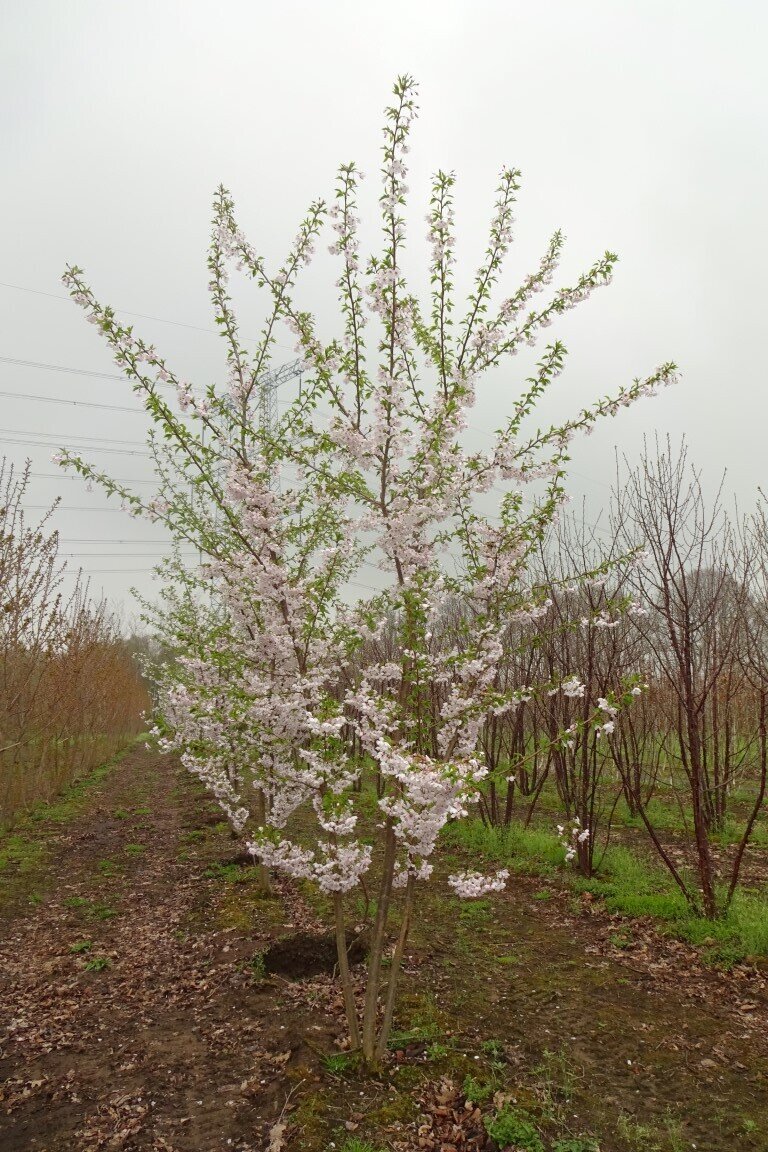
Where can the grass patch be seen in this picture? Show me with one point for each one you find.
(98, 964)
(91, 909)
(18, 853)
(513, 1128)
(475, 912)
(23, 851)
(337, 1063)
(477, 1090)
(740, 934)
(522, 849)
(628, 883)
(232, 873)
(635, 887)
(419, 1021)
(355, 1145)
(70, 802)
(245, 908)
(258, 969)
(576, 1144)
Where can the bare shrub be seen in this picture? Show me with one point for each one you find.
(704, 639)
(70, 693)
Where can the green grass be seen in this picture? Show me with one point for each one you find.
(70, 802)
(477, 1090)
(355, 1145)
(258, 968)
(24, 852)
(576, 1144)
(475, 913)
(664, 810)
(635, 887)
(741, 933)
(513, 1128)
(524, 849)
(91, 909)
(628, 883)
(493, 1050)
(663, 817)
(232, 873)
(337, 1063)
(98, 964)
(21, 853)
(733, 831)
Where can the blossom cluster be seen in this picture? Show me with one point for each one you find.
(571, 838)
(473, 884)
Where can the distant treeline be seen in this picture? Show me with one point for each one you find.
(71, 694)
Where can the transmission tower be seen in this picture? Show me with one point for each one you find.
(268, 384)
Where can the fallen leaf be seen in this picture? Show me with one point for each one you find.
(276, 1134)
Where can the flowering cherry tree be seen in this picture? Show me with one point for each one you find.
(373, 473)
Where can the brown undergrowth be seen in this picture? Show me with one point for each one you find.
(144, 1005)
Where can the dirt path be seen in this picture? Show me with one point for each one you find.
(627, 1031)
(134, 1012)
(170, 1045)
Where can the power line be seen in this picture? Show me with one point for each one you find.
(179, 324)
(125, 378)
(69, 508)
(104, 555)
(126, 312)
(133, 571)
(118, 571)
(68, 476)
(114, 440)
(61, 368)
(54, 436)
(136, 411)
(77, 448)
(77, 403)
(109, 540)
(272, 380)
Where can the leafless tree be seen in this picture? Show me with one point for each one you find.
(694, 585)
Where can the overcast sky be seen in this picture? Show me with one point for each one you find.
(638, 126)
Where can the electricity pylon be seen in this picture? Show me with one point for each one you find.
(268, 384)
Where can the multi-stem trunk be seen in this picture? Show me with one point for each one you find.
(344, 973)
(394, 972)
(260, 816)
(373, 983)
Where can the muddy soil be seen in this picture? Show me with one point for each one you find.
(139, 1010)
(158, 1033)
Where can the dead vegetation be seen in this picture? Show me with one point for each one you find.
(70, 693)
